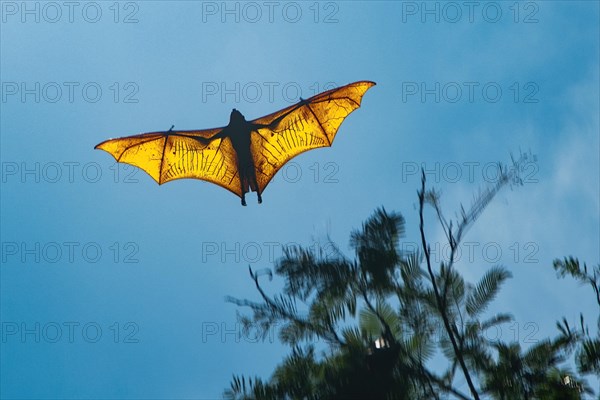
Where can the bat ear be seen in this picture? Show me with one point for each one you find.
(236, 116)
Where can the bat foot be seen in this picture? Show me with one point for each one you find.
(244, 202)
(259, 199)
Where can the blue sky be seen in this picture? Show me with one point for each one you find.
(133, 275)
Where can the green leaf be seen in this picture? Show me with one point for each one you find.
(485, 290)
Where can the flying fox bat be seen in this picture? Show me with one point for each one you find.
(244, 155)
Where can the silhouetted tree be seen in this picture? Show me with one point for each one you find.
(587, 356)
(384, 314)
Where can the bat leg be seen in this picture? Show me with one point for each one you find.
(254, 186)
(243, 184)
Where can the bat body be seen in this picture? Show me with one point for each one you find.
(244, 155)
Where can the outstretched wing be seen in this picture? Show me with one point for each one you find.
(304, 126)
(171, 155)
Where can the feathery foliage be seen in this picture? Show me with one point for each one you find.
(383, 315)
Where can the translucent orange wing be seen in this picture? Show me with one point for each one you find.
(307, 125)
(171, 155)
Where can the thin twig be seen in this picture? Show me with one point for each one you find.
(438, 298)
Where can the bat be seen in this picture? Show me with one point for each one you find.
(244, 155)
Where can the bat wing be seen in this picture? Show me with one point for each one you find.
(304, 126)
(171, 155)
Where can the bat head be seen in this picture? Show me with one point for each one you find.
(236, 117)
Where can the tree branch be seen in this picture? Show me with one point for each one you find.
(439, 301)
(332, 337)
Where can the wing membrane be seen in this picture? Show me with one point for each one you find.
(308, 125)
(171, 155)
